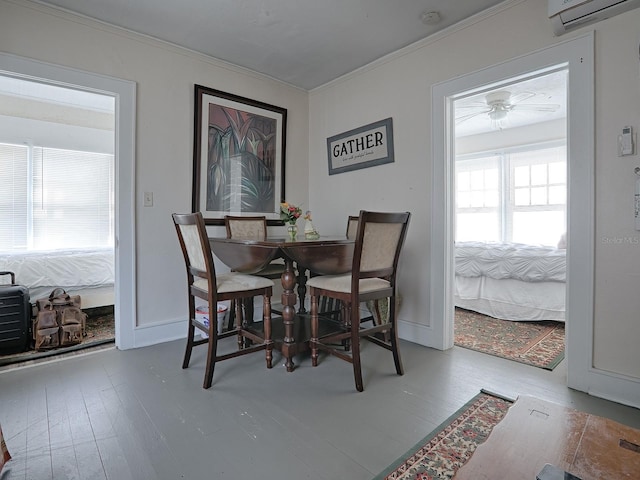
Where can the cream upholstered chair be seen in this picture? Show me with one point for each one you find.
(329, 306)
(379, 307)
(202, 282)
(252, 227)
(379, 241)
(352, 226)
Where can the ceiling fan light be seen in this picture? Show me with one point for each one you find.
(498, 114)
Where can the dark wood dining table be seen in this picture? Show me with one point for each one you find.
(323, 256)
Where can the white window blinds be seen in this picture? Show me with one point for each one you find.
(14, 198)
(60, 199)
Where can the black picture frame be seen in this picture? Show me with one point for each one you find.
(238, 157)
(363, 147)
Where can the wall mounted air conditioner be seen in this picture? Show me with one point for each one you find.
(566, 15)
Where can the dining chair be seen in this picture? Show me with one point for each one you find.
(330, 306)
(252, 227)
(202, 282)
(352, 226)
(379, 240)
(377, 308)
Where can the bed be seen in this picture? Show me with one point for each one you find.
(89, 273)
(511, 281)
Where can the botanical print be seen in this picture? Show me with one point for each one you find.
(240, 161)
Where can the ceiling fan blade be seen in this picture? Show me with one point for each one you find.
(469, 116)
(521, 97)
(537, 107)
(471, 105)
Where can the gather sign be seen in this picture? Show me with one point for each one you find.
(361, 147)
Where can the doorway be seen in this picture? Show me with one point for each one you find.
(576, 55)
(58, 201)
(123, 94)
(510, 184)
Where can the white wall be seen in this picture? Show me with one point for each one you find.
(165, 77)
(399, 86)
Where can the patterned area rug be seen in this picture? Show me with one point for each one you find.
(540, 344)
(100, 331)
(441, 454)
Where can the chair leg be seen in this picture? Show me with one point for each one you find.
(248, 311)
(346, 315)
(354, 315)
(232, 315)
(191, 331)
(355, 356)
(239, 322)
(266, 323)
(393, 333)
(211, 356)
(396, 355)
(314, 330)
(187, 352)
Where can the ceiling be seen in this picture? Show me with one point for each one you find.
(305, 43)
(540, 98)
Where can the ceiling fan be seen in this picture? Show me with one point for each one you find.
(497, 106)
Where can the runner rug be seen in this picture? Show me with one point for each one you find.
(540, 344)
(441, 454)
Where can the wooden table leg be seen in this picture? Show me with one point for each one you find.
(288, 313)
(302, 288)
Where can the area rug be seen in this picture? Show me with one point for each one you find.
(100, 330)
(540, 344)
(441, 453)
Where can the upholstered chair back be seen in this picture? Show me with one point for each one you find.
(246, 227)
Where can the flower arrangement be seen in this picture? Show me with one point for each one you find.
(289, 213)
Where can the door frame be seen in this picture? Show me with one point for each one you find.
(577, 55)
(124, 93)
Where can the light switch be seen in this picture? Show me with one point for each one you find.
(148, 199)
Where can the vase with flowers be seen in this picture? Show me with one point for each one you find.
(289, 214)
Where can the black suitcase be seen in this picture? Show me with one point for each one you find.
(15, 317)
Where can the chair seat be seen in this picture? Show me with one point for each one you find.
(342, 283)
(235, 282)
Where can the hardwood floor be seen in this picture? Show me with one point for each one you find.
(136, 414)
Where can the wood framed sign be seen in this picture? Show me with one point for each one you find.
(362, 147)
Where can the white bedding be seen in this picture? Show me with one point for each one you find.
(76, 270)
(528, 263)
(511, 281)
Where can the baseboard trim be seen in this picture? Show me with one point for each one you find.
(417, 333)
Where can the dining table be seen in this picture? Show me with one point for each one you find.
(326, 255)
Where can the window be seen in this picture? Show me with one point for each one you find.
(55, 199)
(512, 196)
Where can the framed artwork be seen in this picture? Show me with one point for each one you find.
(361, 147)
(238, 157)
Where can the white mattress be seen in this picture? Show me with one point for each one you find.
(511, 299)
(510, 260)
(511, 281)
(42, 271)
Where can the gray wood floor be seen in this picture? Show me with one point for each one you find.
(137, 415)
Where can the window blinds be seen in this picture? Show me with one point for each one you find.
(55, 199)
